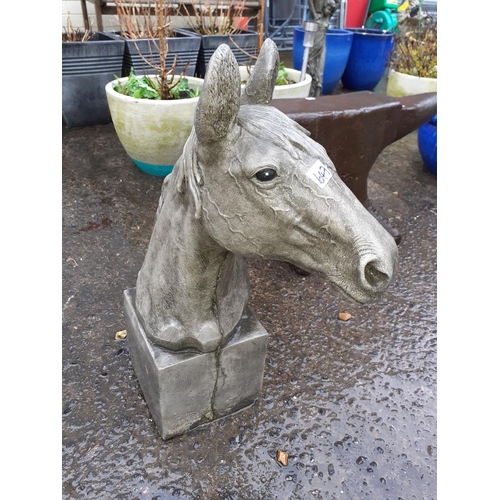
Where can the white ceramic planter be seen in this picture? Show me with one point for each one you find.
(153, 132)
(298, 89)
(399, 84)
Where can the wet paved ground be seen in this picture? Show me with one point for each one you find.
(352, 403)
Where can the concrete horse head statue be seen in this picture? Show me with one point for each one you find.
(250, 183)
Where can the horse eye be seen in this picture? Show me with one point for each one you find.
(266, 174)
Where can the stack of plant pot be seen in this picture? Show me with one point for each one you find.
(87, 66)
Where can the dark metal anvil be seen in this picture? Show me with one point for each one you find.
(354, 128)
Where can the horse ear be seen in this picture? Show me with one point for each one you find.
(219, 101)
(260, 86)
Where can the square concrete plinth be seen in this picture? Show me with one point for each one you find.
(185, 389)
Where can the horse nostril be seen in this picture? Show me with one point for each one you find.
(374, 276)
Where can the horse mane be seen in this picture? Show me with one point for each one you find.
(275, 126)
(188, 171)
(257, 120)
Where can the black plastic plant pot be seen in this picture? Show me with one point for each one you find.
(86, 69)
(244, 45)
(184, 46)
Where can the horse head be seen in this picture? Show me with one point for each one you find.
(263, 188)
(250, 183)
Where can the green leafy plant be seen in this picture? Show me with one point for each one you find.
(181, 90)
(282, 78)
(144, 87)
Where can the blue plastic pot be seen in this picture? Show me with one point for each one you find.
(427, 144)
(338, 44)
(370, 54)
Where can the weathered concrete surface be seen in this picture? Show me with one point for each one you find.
(352, 403)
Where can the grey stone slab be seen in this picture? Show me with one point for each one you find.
(186, 389)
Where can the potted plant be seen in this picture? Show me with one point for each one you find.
(216, 24)
(153, 115)
(413, 67)
(338, 44)
(141, 25)
(153, 129)
(288, 84)
(89, 61)
(427, 144)
(368, 59)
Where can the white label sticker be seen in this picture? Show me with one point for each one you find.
(319, 174)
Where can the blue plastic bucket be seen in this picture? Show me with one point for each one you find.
(337, 48)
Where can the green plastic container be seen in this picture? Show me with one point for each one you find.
(386, 20)
(382, 5)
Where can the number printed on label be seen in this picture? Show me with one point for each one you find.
(319, 174)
